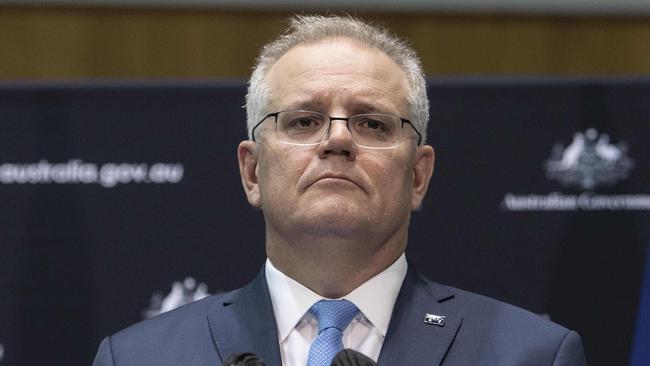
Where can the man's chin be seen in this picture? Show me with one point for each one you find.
(336, 215)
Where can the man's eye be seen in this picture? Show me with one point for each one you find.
(303, 123)
(373, 124)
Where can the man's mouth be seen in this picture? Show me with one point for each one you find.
(336, 180)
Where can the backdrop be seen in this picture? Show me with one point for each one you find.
(122, 199)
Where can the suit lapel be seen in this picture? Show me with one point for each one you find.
(411, 341)
(245, 323)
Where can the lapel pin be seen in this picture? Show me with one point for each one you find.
(434, 319)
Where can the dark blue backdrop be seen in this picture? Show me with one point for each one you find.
(111, 191)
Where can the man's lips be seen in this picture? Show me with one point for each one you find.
(336, 177)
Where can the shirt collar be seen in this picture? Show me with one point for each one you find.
(375, 298)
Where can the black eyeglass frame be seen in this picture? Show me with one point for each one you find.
(346, 119)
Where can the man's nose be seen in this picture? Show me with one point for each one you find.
(338, 141)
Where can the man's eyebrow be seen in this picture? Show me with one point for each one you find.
(355, 107)
(365, 107)
(312, 105)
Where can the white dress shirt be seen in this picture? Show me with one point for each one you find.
(297, 328)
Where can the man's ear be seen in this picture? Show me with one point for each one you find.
(422, 170)
(247, 156)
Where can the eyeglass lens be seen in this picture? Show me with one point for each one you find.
(372, 130)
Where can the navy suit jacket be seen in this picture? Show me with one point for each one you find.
(477, 331)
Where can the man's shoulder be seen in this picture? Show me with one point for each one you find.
(505, 334)
(482, 310)
(167, 339)
(489, 331)
(190, 315)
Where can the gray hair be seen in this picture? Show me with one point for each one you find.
(314, 28)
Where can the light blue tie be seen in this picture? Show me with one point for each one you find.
(333, 317)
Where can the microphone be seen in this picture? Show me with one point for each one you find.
(243, 359)
(350, 357)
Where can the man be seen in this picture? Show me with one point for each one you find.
(336, 160)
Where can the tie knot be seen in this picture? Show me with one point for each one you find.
(333, 314)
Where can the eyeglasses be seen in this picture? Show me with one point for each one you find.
(307, 128)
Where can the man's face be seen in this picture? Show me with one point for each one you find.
(336, 188)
